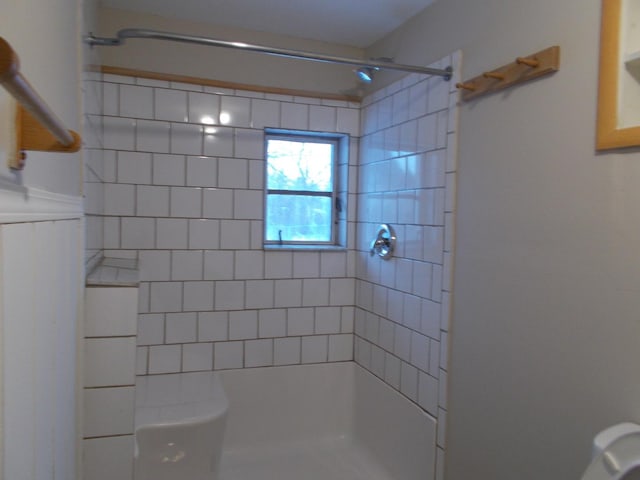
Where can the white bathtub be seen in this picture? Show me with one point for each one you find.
(323, 422)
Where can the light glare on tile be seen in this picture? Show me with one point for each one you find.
(210, 130)
(207, 120)
(225, 118)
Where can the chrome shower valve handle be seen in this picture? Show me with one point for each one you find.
(384, 243)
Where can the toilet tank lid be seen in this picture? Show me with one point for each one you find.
(179, 398)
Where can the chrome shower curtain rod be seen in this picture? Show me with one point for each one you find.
(123, 35)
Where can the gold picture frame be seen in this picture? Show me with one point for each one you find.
(619, 66)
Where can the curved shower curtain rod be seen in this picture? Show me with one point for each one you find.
(124, 34)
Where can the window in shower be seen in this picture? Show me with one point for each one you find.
(302, 204)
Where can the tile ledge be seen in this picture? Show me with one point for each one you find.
(114, 272)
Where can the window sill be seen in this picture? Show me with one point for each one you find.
(306, 248)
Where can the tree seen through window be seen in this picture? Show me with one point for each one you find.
(300, 189)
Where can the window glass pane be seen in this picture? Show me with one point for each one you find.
(294, 165)
(299, 218)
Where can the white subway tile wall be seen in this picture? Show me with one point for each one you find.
(109, 361)
(99, 454)
(407, 177)
(110, 332)
(109, 374)
(183, 178)
(104, 414)
(96, 166)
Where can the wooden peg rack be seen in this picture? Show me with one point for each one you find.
(521, 70)
(36, 126)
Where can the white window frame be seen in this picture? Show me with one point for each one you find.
(336, 203)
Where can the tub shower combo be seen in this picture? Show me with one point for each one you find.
(380, 417)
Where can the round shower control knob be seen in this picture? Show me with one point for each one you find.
(384, 243)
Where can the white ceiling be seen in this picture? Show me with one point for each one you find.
(358, 23)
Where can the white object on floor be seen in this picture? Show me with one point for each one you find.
(179, 426)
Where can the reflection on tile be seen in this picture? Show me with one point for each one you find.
(235, 111)
(203, 108)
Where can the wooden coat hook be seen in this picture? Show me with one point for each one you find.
(466, 86)
(529, 62)
(494, 75)
(521, 70)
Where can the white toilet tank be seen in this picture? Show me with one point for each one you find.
(179, 426)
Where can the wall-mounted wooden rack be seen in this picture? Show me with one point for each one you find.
(36, 126)
(521, 70)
